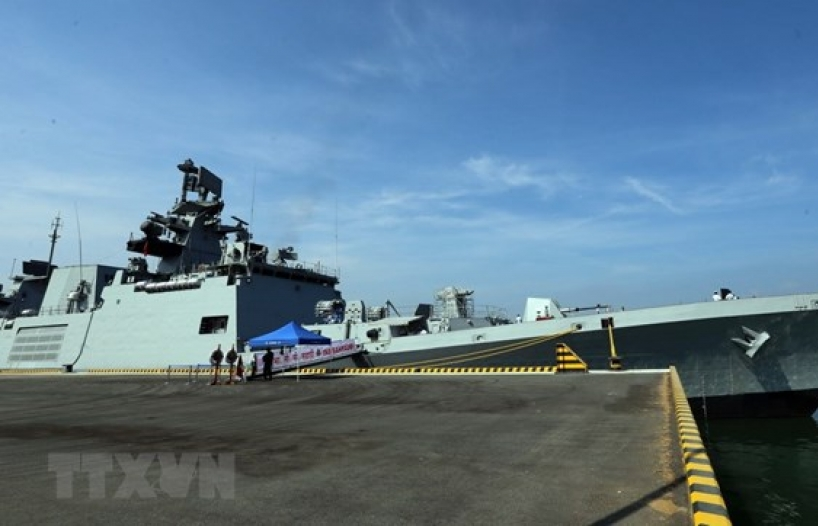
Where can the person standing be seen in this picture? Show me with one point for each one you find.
(240, 371)
(216, 361)
(268, 364)
(232, 356)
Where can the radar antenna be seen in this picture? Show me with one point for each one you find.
(55, 227)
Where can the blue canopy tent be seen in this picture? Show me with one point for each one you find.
(289, 335)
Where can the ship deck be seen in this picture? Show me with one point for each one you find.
(369, 449)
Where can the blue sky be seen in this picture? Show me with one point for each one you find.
(632, 153)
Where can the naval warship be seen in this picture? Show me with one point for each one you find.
(748, 357)
(212, 286)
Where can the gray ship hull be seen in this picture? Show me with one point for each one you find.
(720, 379)
(139, 330)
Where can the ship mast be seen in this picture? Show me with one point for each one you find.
(55, 225)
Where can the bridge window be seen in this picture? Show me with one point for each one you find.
(213, 325)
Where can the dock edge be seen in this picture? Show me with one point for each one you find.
(706, 502)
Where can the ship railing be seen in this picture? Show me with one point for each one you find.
(491, 312)
(379, 312)
(318, 268)
(191, 372)
(479, 311)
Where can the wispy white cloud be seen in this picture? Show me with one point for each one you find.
(400, 198)
(782, 181)
(748, 190)
(506, 174)
(499, 175)
(644, 190)
(769, 167)
(428, 28)
(368, 68)
(403, 35)
(360, 70)
(423, 43)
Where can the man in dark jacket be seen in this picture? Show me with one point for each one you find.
(268, 364)
(216, 361)
(232, 356)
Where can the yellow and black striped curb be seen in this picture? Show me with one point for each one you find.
(145, 371)
(569, 361)
(306, 370)
(29, 371)
(428, 370)
(706, 502)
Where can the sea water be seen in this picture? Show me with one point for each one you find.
(767, 469)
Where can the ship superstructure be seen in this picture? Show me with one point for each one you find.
(212, 285)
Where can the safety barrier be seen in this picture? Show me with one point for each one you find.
(199, 372)
(706, 502)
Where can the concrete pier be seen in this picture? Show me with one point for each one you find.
(472, 449)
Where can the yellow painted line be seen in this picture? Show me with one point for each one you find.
(427, 370)
(706, 502)
(487, 353)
